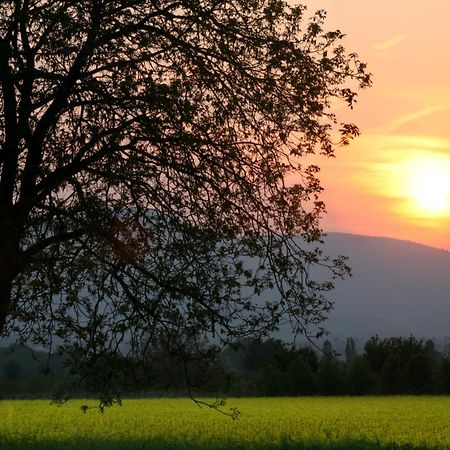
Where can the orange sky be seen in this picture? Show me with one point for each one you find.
(395, 179)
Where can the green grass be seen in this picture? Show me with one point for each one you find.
(266, 423)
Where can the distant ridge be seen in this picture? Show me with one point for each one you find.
(385, 238)
(397, 288)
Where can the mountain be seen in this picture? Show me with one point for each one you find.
(397, 288)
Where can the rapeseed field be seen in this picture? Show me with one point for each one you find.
(264, 423)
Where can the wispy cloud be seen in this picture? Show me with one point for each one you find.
(402, 120)
(391, 42)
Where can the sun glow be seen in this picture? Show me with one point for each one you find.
(429, 186)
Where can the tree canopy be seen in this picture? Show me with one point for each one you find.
(146, 147)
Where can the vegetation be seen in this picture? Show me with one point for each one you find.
(251, 368)
(144, 152)
(371, 423)
(386, 366)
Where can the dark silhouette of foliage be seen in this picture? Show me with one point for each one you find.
(444, 377)
(257, 353)
(249, 367)
(12, 369)
(330, 377)
(301, 375)
(327, 350)
(361, 378)
(403, 365)
(350, 351)
(144, 152)
(279, 369)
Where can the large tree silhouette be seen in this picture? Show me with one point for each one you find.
(145, 150)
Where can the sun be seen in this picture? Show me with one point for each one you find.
(429, 186)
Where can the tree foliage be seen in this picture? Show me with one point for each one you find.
(404, 365)
(386, 366)
(146, 147)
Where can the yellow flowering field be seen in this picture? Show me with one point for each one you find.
(275, 423)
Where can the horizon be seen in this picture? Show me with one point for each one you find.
(390, 238)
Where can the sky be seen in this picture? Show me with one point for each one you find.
(394, 180)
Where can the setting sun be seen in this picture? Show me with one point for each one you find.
(429, 186)
(394, 179)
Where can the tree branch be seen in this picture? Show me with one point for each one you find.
(51, 115)
(11, 132)
(47, 242)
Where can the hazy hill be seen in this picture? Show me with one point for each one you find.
(397, 288)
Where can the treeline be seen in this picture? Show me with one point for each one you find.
(250, 368)
(29, 372)
(386, 366)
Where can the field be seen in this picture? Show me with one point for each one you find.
(265, 423)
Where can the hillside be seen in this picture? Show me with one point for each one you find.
(397, 288)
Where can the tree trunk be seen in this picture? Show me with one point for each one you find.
(6, 281)
(10, 256)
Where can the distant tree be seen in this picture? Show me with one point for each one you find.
(419, 369)
(145, 150)
(271, 367)
(12, 369)
(256, 353)
(394, 375)
(361, 378)
(403, 365)
(443, 371)
(309, 356)
(330, 373)
(431, 351)
(376, 353)
(327, 350)
(444, 376)
(301, 378)
(350, 351)
(330, 377)
(272, 381)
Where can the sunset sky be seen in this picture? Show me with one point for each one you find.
(395, 179)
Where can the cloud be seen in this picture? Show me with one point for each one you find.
(402, 120)
(391, 42)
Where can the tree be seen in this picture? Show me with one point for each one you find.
(145, 150)
(327, 350)
(404, 365)
(420, 373)
(258, 353)
(330, 376)
(444, 376)
(361, 379)
(12, 369)
(301, 378)
(350, 351)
